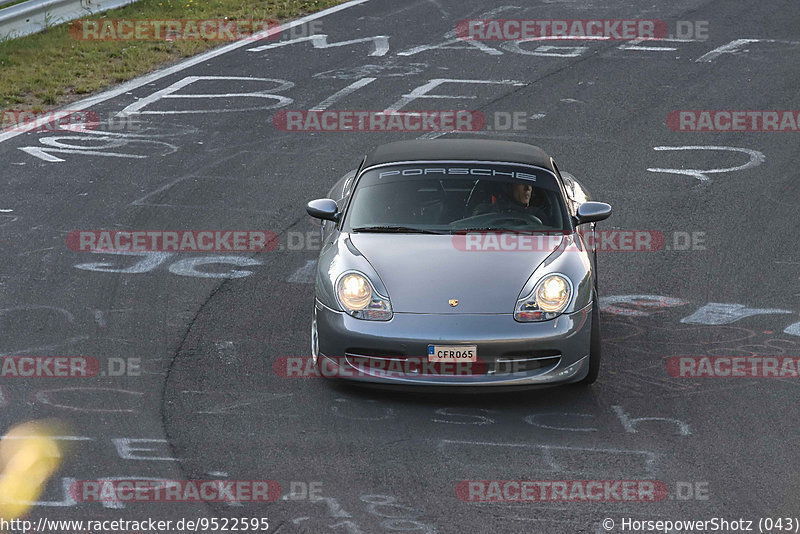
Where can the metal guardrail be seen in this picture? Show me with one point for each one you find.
(36, 15)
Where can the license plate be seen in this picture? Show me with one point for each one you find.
(452, 353)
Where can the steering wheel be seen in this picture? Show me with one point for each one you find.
(423, 206)
(499, 219)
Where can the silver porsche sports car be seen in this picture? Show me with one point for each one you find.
(457, 262)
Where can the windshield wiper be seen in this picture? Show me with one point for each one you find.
(394, 229)
(512, 230)
(488, 229)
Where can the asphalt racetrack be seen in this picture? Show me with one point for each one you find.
(204, 398)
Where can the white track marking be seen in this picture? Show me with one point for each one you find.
(304, 274)
(150, 261)
(423, 91)
(66, 487)
(466, 419)
(618, 304)
(183, 65)
(66, 144)
(353, 87)
(45, 153)
(756, 159)
(543, 457)
(550, 50)
(734, 46)
(793, 329)
(634, 45)
(43, 397)
(127, 449)
(380, 43)
(453, 42)
(716, 313)
(629, 423)
(189, 266)
(532, 420)
(167, 92)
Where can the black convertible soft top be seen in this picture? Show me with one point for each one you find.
(458, 150)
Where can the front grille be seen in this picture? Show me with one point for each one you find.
(524, 362)
(369, 360)
(374, 353)
(510, 363)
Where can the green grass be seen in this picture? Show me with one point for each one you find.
(12, 3)
(52, 68)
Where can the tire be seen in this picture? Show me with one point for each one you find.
(594, 349)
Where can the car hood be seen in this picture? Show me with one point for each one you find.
(423, 272)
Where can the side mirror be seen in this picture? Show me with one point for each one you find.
(323, 208)
(592, 212)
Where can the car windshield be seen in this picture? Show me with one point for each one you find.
(451, 198)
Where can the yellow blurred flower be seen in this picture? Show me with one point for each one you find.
(28, 457)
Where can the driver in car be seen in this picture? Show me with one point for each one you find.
(513, 199)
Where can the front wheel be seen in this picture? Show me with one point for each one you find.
(594, 348)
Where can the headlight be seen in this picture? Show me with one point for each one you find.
(549, 298)
(355, 292)
(359, 298)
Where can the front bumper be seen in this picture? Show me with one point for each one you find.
(512, 353)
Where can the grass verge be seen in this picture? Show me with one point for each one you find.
(52, 68)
